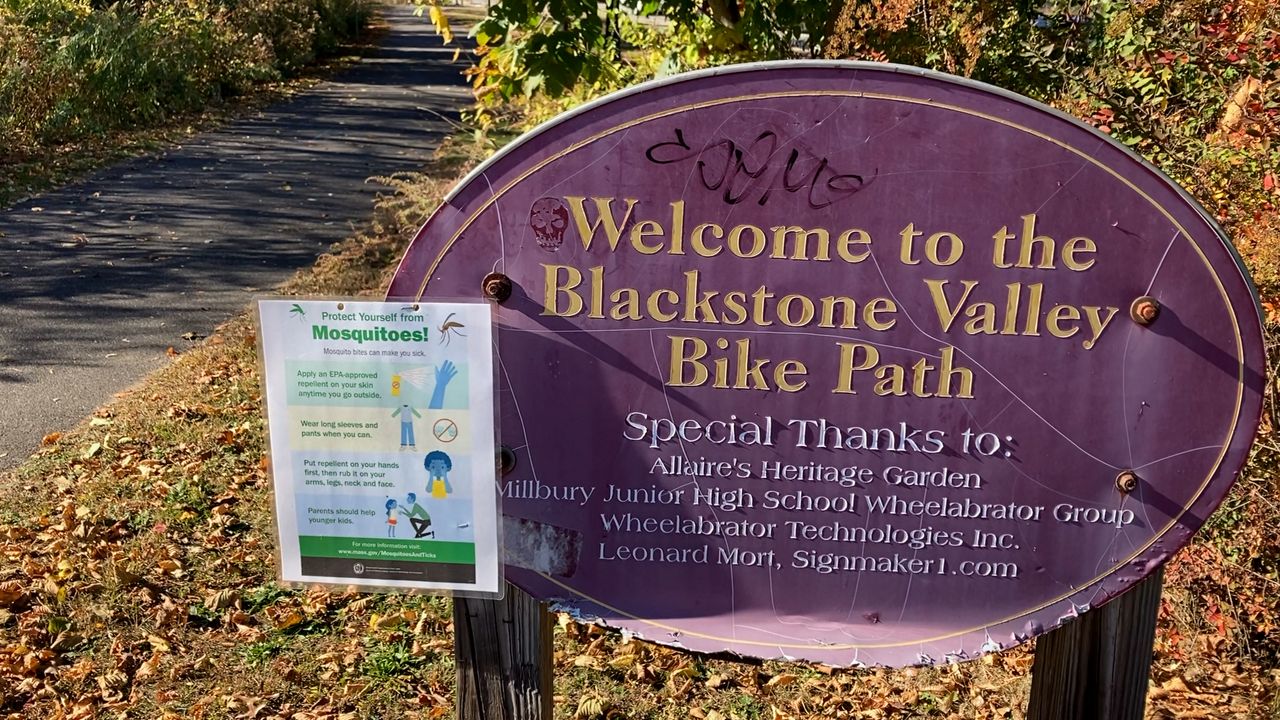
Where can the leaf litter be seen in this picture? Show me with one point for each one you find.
(137, 581)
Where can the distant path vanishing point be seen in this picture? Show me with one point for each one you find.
(99, 278)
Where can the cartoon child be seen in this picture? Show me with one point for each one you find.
(438, 465)
(406, 413)
(392, 507)
(418, 517)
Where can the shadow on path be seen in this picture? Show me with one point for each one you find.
(110, 272)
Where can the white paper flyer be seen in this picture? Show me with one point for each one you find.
(381, 421)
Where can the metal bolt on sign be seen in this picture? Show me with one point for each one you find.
(506, 458)
(496, 286)
(1144, 310)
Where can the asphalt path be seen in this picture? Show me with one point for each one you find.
(99, 278)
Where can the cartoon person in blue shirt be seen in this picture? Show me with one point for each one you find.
(407, 414)
(438, 465)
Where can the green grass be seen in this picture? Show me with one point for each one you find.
(266, 595)
(260, 653)
(392, 661)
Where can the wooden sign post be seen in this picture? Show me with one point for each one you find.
(1099, 665)
(504, 658)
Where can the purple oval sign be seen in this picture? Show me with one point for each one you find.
(843, 362)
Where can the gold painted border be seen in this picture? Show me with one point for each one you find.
(946, 106)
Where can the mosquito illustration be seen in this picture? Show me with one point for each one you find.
(297, 311)
(449, 328)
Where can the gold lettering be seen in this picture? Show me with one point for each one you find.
(982, 319)
(551, 298)
(646, 229)
(748, 369)
(920, 373)
(722, 366)
(757, 241)
(655, 309)
(951, 372)
(1013, 298)
(801, 252)
(626, 304)
(597, 293)
(699, 245)
(1078, 245)
(787, 368)
(604, 215)
(1001, 238)
(850, 237)
(848, 314)
(850, 364)
(682, 359)
(806, 310)
(697, 308)
(1059, 314)
(955, 248)
(677, 227)
(736, 303)
(909, 235)
(873, 308)
(892, 380)
(1029, 243)
(757, 307)
(1097, 323)
(947, 314)
(1035, 293)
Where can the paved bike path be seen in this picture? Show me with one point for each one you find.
(99, 278)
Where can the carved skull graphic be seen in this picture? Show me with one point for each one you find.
(549, 217)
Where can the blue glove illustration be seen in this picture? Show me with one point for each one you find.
(446, 372)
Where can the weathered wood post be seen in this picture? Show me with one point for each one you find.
(503, 651)
(503, 647)
(1098, 665)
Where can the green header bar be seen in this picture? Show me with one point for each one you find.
(439, 551)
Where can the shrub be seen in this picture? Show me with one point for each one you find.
(27, 80)
(76, 68)
(288, 26)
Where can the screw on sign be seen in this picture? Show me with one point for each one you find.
(855, 364)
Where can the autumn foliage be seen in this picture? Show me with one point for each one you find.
(78, 69)
(136, 551)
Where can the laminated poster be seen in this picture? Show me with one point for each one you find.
(382, 443)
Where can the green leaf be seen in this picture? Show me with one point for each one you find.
(532, 83)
